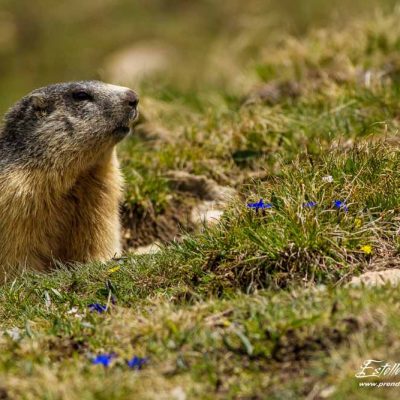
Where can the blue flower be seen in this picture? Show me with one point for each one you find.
(136, 362)
(97, 307)
(310, 204)
(103, 359)
(260, 204)
(341, 205)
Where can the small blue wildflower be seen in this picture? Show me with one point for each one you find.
(260, 204)
(103, 359)
(97, 307)
(136, 362)
(310, 204)
(341, 205)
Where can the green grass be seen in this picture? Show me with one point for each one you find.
(256, 306)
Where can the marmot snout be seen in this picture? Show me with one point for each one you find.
(60, 183)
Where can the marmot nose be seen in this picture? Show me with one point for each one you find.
(131, 98)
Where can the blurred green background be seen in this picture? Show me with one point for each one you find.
(45, 41)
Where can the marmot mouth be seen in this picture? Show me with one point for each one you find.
(124, 126)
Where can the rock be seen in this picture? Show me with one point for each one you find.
(327, 392)
(377, 278)
(14, 333)
(178, 393)
(132, 64)
(214, 196)
(206, 213)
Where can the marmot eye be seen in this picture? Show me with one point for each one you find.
(82, 96)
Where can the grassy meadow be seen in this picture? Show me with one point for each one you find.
(295, 103)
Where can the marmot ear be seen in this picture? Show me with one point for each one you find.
(39, 101)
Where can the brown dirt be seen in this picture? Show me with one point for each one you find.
(4, 394)
(143, 227)
(293, 347)
(62, 348)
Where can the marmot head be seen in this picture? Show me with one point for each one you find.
(68, 123)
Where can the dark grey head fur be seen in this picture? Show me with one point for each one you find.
(66, 122)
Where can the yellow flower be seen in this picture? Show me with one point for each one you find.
(358, 222)
(367, 249)
(114, 269)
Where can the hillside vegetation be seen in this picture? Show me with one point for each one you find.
(302, 113)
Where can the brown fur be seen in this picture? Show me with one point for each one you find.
(66, 213)
(62, 219)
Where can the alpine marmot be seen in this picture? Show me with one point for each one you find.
(60, 183)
